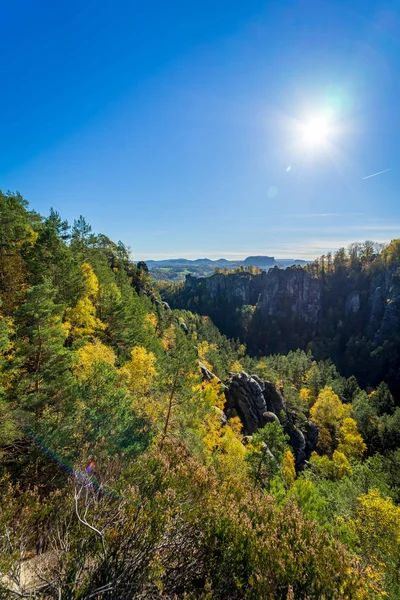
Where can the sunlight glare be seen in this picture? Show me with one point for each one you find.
(316, 131)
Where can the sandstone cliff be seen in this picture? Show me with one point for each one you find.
(346, 315)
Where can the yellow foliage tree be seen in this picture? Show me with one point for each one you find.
(150, 322)
(236, 425)
(341, 466)
(213, 398)
(391, 253)
(223, 443)
(288, 469)
(140, 372)
(90, 282)
(236, 367)
(305, 395)
(335, 468)
(328, 413)
(212, 431)
(90, 354)
(351, 443)
(81, 320)
(377, 524)
(168, 338)
(230, 457)
(203, 348)
(212, 393)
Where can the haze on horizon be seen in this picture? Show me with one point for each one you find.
(206, 130)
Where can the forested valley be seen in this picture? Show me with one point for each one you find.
(145, 453)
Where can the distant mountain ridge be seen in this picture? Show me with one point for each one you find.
(257, 261)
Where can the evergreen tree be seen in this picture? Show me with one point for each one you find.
(382, 399)
(127, 318)
(180, 375)
(44, 361)
(82, 239)
(8, 427)
(266, 452)
(51, 258)
(15, 232)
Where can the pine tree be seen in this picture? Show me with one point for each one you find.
(127, 318)
(51, 258)
(8, 427)
(15, 232)
(44, 361)
(382, 400)
(82, 238)
(178, 384)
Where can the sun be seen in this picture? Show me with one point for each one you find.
(316, 131)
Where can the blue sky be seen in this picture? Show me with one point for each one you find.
(172, 125)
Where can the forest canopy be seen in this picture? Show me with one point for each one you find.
(123, 474)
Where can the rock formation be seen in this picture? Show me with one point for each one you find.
(258, 402)
(292, 293)
(336, 316)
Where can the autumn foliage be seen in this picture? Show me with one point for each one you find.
(121, 476)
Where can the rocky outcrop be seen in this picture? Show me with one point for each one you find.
(390, 321)
(377, 306)
(232, 289)
(265, 262)
(352, 303)
(311, 437)
(278, 293)
(245, 398)
(292, 294)
(385, 304)
(258, 402)
(293, 308)
(206, 373)
(298, 443)
(274, 399)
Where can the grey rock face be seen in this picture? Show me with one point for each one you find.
(274, 399)
(184, 328)
(292, 293)
(258, 402)
(311, 437)
(385, 304)
(298, 443)
(293, 303)
(377, 306)
(352, 303)
(206, 374)
(244, 395)
(271, 417)
(390, 321)
(232, 290)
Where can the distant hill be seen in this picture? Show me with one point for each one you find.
(260, 261)
(175, 269)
